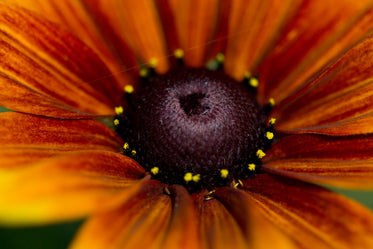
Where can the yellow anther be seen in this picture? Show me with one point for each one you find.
(153, 62)
(224, 173)
(196, 178)
(188, 177)
(247, 75)
(209, 196)
(269, 135)
(144, 72)
(272, 121)
(240, 182)
(154, 170)
(179, 53)
(129, 89)
(260, 154)
(271, 102)
(126, 146)
(118, 110)
(251, 166)
(133, 152)
(220, 57)
(116, 122)
(254, 82)
(167, 191)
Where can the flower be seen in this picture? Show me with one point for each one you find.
(311, 62)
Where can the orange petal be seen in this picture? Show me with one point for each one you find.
(340, 161)
(25, 134)
(309, 43)
(138, 223)
(88, 26)
(64, 188)
(253, 29)
(42, 57)
(219, 229)
(183, 229)
(341, 95)
(256, 228)
(311, 215)
(195, 23)
(137, 24)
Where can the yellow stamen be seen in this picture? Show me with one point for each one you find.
(269, 135)
(118, 110)
(272, 121)
(167, 191)
(128, 89)
(196, 178)
(247, 75)
(179, 53)
(260, 154)
(251, 166)
(153, 62)
(254, 82)
(133, 152)
(154, 170)
(126, 146)
(144, 72)
(224, 173)
(188, 177)
(220, 57)
(272, 102)
(116, 122)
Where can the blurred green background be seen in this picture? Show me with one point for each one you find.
(59, 236)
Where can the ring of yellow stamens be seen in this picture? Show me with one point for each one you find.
(128, 89)
(260, 154)
(154, 170)
(224, 173)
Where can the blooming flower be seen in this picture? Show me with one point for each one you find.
(309, 63)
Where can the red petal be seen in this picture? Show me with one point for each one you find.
(312, 216)
(340, 161)
(26, 134)
(254, 26)
(39, 56)
(138, 223)
(341, 96)
(319, 32)
(64, 188)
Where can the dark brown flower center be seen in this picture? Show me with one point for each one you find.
(195, 127)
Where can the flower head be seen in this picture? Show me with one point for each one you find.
(221, 117)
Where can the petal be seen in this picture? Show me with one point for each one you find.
(195, 22)
(142, 26)
(340, 161)
(64, 188)
(39, 56)
(311, 215)
(138, 223)
(253, 29)
(182, 230)
(309, 43)
(342, 95)
(255, 226)
(218, 227)
(26, 134)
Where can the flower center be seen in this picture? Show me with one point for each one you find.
(195, 127)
